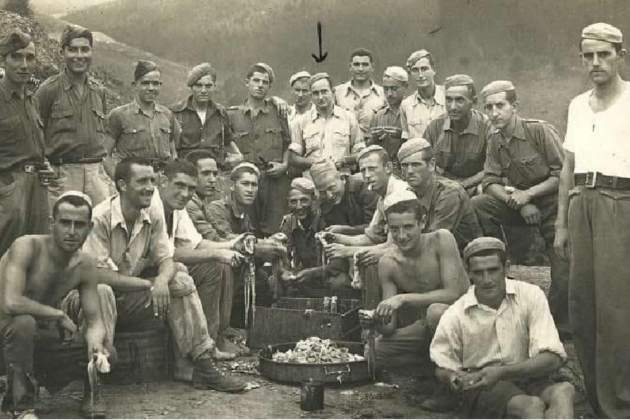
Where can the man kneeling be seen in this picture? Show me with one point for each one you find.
(498, 343)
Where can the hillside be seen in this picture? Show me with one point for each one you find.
(61, 7)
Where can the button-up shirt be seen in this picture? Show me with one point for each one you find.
(214, 133)
(327, 138)
(139, 134)
(181, 230)
(21, 135)
(377, 229)
(198, 210)
(356, 207)
(127, 249)
(386, 131)
(226, 220)
(531, 154)
(471, 335)
(74, 124)
(459, 154)
(416, 113)
(362, 104)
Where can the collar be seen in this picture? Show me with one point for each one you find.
(470, 300)
(425, 200)
(337, 112)
(438, 96)
(9, 94)
(254, 112)
(136, 108)
(233, 209)
(293, 110)
(473, 126)
(347, 88)
(518, 132)
(312, 226)
(67, 84)
(117, 217)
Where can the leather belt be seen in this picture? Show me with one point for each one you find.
(59, 162)
(597, 179)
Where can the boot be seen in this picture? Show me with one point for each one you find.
(206, 375)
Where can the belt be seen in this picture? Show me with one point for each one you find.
(61, 161)
(597, 179)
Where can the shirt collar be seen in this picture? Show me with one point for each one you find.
(211, 106)
(470, 299)
(136, 108)
(67, 84)
(248, 109)
(349, 88)
(118, 218)
(337, 112)
(473, 126)
(518, 131)
(438, 96)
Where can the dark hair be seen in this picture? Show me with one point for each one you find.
(180, 166)
(123, 168)
(382, 155)
(362, 52)
(195, 156)
(260, 69)
(71, 32)
(72, 200)
(488, 252)
(407, 206)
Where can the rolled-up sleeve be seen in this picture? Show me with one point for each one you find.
(492, 170)
(446, 349)
(376, 230)
(543, 335)
(552, 147)
(97, 244)
(187, 235)
(160, 245)
(356, 136)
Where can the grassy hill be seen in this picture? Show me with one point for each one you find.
(532, 42)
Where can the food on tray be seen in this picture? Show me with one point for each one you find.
(315, 350)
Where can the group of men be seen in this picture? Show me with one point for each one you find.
(354, 187)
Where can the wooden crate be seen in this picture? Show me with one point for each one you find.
(294, 319)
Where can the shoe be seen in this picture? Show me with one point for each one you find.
(442, 400)
(206, 375)
(25, 414)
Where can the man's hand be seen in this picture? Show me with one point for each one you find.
(518, 199)
(530, 214)
(229, 256)
(161, 299)
(233, 159)
(338, 251)
(370, 255)
(307, 274)
(67, 329)
(484, 378)
(561, 242)
(386, 308)
(336, 229)
(455, 381)
(281, 105)
(277, 169)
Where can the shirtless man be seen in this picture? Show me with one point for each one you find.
(419, 276)
(38, 276)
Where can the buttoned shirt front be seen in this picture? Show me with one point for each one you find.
(127, 249)
(377, 229)
(386, 130)
(459, 154)
(531, 154)
(139, 134)
(471, 335)
(416, 113)
(74, 124)
(600, 140)
(226, 220)
(361, 104)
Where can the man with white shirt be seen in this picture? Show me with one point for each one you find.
(593, 218)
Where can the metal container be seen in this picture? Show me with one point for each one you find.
(312, 396)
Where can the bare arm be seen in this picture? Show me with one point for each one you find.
(387, 269)
(561, 240)
(90, 305)
(472, 181)
(546, 187)
(300, 162)
(118, 281)
(498, 191)
(206, 251)
(166, 271)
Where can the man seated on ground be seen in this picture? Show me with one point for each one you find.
(498, 344)
(129, 237)
(421, 271)
(347, 204)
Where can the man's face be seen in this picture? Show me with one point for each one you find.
(71, 226)
(301, 90)
(416, 171)
(300, 204)
(361, 68)
(394, 91)
(601, 60)
(258, 85)
(178, 191)
(458, 102)
(19, 65)
(138, 190)
(207, 173)
(487, 273)
(331, 189)
(322, 94)
(375, 173)
(245, 189)
(405, 230)
(203, 89)
(499, 110)
(77, 55)
(423, 73)
(148, 87)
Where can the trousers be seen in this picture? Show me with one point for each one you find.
(89, 178)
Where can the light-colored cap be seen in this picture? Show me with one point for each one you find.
(415, 56)
(199, 71)
(458, 80)
(398, 197)
(603, 32)
(396, 73)
(304, 185)
(371, 148)
(412, 146)
(299, 75)
(268, 70)
(244, 166)
(497, 86)
(76, 194)
(484, 243)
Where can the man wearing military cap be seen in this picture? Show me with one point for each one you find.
(459, 137)
(300, 84)
(386, 128)
(23, 169)
(593, 209)
(427, 103)
(526, 153)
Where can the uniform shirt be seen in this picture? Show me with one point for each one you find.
(198, 210)
(386, 130)
(21, 135)
(529, 156)
(128, 250)
(302, 246)
(459, 155)
(600, 140)
(74, 124)
(377, 229)
(260, 132)
(356, 207)
(180, 229)
(326, 138)
(226, 220)
(362, 105)
(416, 113)
(141, 135)
(447, 206)
(214, 133)
(471, 335)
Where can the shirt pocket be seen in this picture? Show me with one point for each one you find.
(532, 168)
(10, 131)
(312, 140)
(62, 119)
(133, 139)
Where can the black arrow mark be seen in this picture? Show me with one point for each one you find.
(323, 56)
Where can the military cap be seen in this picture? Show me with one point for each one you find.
(320, 169)
(319, 76)
(396, 73)
(71, 32)
(299, 75)
(398, 197)
(412, 146)
(244, 166)
(304, 185)
(372, 148)
(144, 67)
(458, 80)
(415, 56)
(199, 71)
(484, 243)
(76, 194)
(14, 41)
(497, 86)
(602, 32)
(267, 68)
